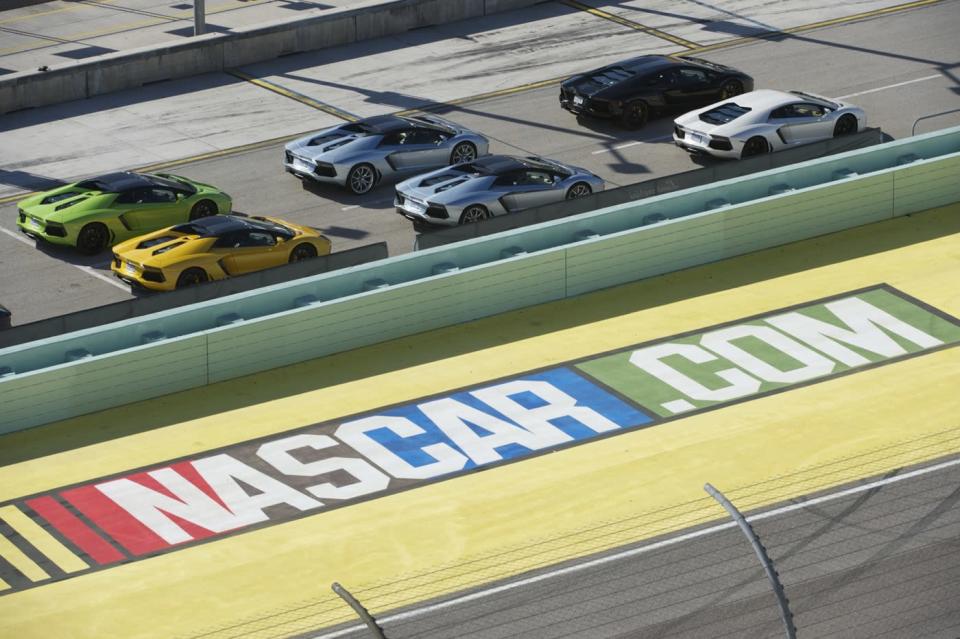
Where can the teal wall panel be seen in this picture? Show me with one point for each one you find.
(927, 184)
(384, 314)
(96, 383)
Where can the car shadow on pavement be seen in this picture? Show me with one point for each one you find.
(463, 339)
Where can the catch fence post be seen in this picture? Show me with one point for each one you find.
(362, 612)
(772, 575)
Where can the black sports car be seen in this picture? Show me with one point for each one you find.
(633, 89)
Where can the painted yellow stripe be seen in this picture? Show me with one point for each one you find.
(600, 13)
(293, 95)
(20, 561)
(42, 540)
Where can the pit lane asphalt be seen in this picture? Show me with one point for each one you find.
(899, 67)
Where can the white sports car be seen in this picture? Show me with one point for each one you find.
(763, 121)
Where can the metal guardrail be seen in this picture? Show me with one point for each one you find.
(648, 188)
(155, 302)
(913, 130)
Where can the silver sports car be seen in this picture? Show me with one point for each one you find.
(488, 186)
(359, 154)
(763, 121)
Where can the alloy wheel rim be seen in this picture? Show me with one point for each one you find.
(473, 214)
(362, 180)
(463, 153)
(578, 191)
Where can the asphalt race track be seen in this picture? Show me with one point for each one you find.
(899, 66)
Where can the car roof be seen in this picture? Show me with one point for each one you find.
(118, 182)
(385, 123)
(217, 225)
(646, 63)
(500, 164)
(768, 98)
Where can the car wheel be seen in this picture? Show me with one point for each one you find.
(755, 146)
(203, 208)
(93, 238)
(463, 152)
(474, 213)
(846, 125)
(580, 189)
(302, 252)
(191, 277)
(635, 114)
(361, 179)
(731, 88)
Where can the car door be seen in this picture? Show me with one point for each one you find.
(530, 188)
(800, 122)
(669, 82)
(250, 250)
(149, 208)
(695, 87)
(411, 149)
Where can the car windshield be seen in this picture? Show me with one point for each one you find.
(172, 182)
(267, 225)
(724, 113)
(94, 185)
(612, 75)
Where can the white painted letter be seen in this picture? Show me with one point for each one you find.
(537, 420)
(446, 458)
(864, 321)
(721, 343)
(188, 503)
(739, 384)
(222, 472)
(277, 454)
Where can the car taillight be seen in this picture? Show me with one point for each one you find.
(677, 131)
(56, 230)
(437, 211)
(720, 143)
(152, 274)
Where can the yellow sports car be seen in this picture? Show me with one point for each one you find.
(213, 248)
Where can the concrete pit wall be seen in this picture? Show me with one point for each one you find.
(218, 51)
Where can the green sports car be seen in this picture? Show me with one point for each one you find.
(102, 211)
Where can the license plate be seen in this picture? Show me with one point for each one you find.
(697, 138)
(578, 100)
(35, 224)
(130, 269)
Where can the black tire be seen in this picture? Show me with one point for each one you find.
(580, 189)
(846, 125)
(93, 238)
(203, 208)
(635, 114)
(192, 277)
(474, 213)
(730, 89)
(755, 146)
(361, 179)
(302, 252)
(463, 152)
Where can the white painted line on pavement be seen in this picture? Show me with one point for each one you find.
(351, 207)
(86, 269)
(890, 86)
(634, 143)
(644, 549)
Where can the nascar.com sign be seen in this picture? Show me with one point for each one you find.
(334, 463)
